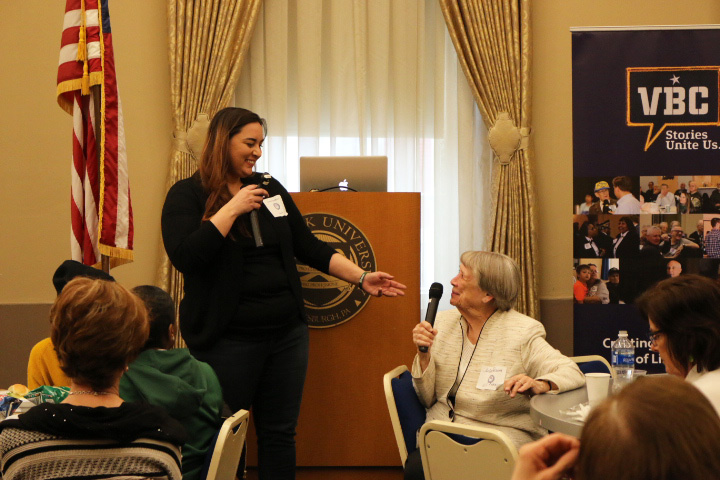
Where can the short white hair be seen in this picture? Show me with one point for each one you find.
(495, 273)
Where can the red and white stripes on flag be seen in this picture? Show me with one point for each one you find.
(101, 211)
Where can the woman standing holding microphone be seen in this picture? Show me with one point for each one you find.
(243, 310)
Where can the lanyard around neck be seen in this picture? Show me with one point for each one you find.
(458, 378)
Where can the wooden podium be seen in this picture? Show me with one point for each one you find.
(344, 420)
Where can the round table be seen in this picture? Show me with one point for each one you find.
(545, 410)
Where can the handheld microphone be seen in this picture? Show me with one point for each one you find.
(436, 291)
(261, 180)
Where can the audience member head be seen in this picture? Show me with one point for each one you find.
(653, 235)
(684, 315)
(626, 224)
(97, 327)
(161, 316)
(715, 222)
(582, 272)
(677, 233)
(70, 269)
(658, 427)
(674, 268)
(683, 197)
(602, 191)
(614, 275)
(594, 274)
(588, 199)
(495, 273)
(588, 229)
(624, 184)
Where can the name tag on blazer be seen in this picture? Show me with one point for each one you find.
(491, 378)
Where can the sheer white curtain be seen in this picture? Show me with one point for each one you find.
(375, 77)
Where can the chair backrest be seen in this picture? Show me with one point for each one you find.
(443, 458)
(594, 364)
(407, 414)
(228, 448)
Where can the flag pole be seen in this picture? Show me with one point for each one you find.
(97, 96)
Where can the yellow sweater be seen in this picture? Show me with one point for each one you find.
(44, 367)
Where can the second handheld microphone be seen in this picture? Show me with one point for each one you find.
(436, 291)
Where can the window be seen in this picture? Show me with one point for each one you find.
(343, 77)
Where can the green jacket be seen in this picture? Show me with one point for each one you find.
(187, 389)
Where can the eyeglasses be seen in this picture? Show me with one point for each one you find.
(652, 336)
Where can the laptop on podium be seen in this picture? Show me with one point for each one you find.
(343, 173)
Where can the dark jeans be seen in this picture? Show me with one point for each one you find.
(268, 375)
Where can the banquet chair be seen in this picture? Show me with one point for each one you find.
(594, 364)
(407, 414)
(444, 458)
(228, 448)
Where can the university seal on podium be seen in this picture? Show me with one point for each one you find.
(328, 300)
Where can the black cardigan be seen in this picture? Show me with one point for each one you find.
(212, 264)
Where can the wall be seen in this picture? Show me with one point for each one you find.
(552, 129)
(35, 141)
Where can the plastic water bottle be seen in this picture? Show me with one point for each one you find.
(623, 360)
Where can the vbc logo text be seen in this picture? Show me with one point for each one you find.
(659, 97)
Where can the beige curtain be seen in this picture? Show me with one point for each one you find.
(492, 39)
(207, 42)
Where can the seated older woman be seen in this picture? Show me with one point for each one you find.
(484, 353)
(684, 318)
(97, 328)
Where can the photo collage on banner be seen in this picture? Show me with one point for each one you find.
(646, 174)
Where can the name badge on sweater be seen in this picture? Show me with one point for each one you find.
(276, 206)
(491, 378)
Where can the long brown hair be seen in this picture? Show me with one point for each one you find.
(215, 159)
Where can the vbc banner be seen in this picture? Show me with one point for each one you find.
(646, 170)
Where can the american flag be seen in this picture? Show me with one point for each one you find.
(101, 212)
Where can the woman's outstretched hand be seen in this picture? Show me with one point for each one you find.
(382, 284)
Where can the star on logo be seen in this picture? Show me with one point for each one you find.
(675, 79)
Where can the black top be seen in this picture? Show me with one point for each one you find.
(629, 247)
(125, 423)
(214, 266)
(266, 302)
